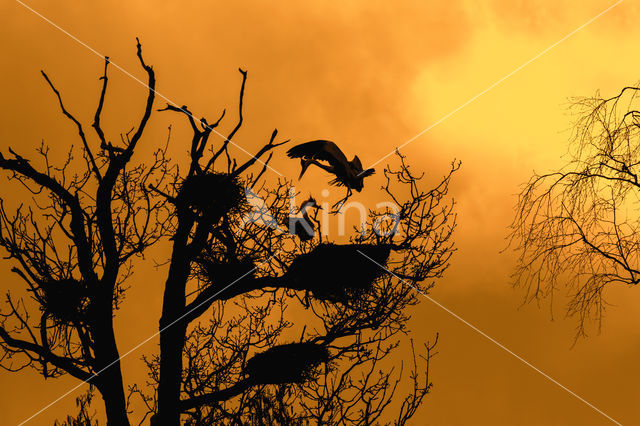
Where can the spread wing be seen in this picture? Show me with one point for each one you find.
(320, 150)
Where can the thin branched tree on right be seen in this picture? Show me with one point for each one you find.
(576, 229)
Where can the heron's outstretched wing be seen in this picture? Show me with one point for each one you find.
(320, 150)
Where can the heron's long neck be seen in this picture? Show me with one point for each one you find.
(304, 209)
(327, 167)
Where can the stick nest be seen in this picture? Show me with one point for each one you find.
(338, 273)
(212, 194)
(66, 300)
(288, 363)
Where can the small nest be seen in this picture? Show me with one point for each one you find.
(338, 273)
(288, 363)
(212, 194)
(66, 300)
(222, 273)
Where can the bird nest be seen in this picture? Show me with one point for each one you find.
(224, 272)
(212, 194)
(66, 300)
(288, 363)
(338, 273)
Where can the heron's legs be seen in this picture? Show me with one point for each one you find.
(337, 206)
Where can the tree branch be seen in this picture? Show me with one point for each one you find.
(77, 123)
(64, 363)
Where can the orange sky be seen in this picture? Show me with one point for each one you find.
(369, 75)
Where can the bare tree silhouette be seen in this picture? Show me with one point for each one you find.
(73, 247)
(258, 325)
(578, 227)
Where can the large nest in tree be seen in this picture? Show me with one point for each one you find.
(338, 273)
(212, 194)
(224, 272)
(288, 363)
(66, 300)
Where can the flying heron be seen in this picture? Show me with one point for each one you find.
(349, 174)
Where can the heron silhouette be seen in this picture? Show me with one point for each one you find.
(303, 226)
(349, 174)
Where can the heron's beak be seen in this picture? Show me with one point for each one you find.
(304, 163)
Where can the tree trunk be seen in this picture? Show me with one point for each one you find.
(112, 393)
(172, 331)
(109, 382)
(171, 346)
